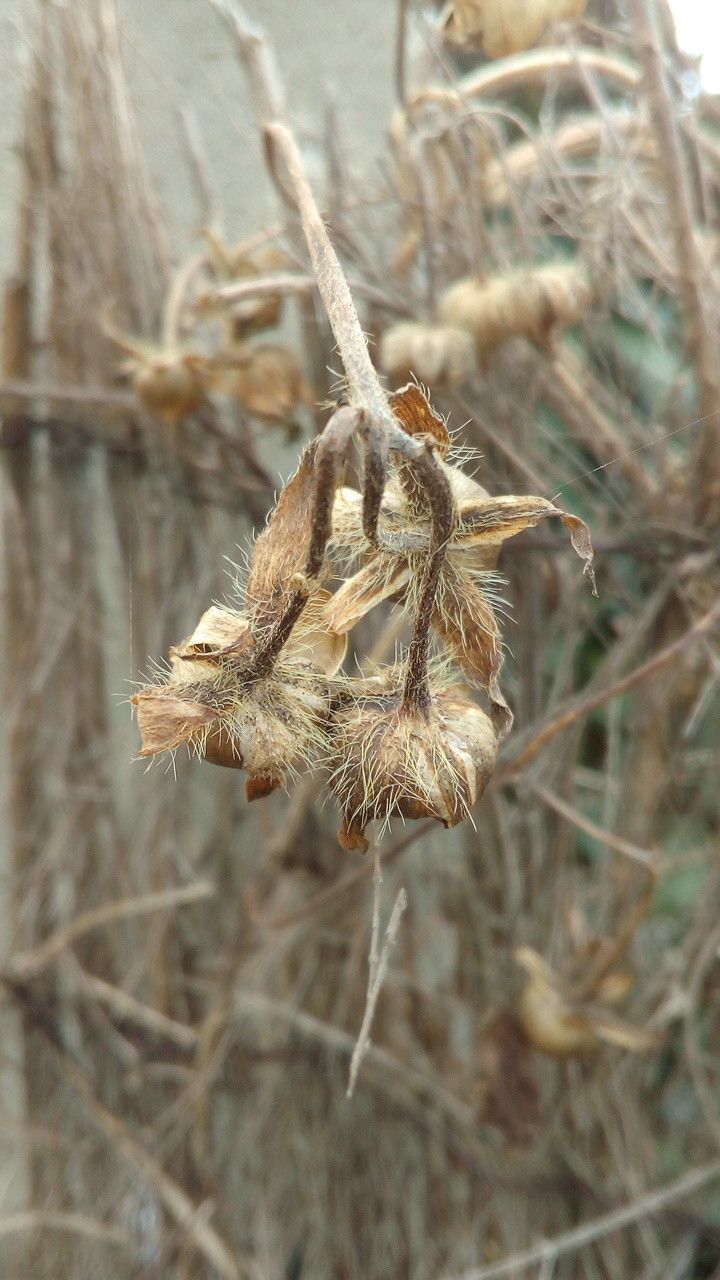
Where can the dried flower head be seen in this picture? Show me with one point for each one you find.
(501, 27)
(251, 690)
(267, 379)
(464, 613)
(170, 380)
(436, 354)
(524, 303)
(388, 758)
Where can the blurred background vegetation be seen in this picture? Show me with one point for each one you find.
(183, 976)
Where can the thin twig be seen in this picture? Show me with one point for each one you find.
(580, 707)
(378, 964)
(644, 1207)
(29, 963)
(692, 272)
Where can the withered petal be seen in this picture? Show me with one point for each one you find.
(466, 622)
(417, 417)
(314, 639)
(493, 520)
(167, 721)
(379, 579)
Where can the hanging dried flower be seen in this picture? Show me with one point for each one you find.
(170, 380)
(464, 614)
(564, 1027)
(267, 379)
(388, 759)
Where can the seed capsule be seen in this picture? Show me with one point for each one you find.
(170, 385)
(437, 354)
(388, 760)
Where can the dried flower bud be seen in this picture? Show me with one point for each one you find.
(213, 704)
(527, 303)
(267, 379)
(502, 27)
(171, 385)
(252, 690)
(436, 354)
(388, 760)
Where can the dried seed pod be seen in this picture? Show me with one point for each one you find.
(468, 590)
(498, 28)
(387, 759)
(437, 354)
(169, 380)
(171, 385)
(526, 303)
(213, 704)
(267, 379)
(562, 1027)
(252, 691)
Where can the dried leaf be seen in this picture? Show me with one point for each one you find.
(167, 720)
(380, 579)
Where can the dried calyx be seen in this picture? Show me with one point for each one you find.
(387, 757)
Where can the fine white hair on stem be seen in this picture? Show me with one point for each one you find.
(377, 967)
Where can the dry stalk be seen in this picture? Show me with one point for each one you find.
(379, 960)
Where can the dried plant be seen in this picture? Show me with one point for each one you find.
(523, 1004)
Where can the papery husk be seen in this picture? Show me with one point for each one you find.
(498, 28)
(464, 616)
(437, 354)
(524, 303)
(388, 760)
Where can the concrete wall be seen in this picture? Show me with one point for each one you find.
(178, 52)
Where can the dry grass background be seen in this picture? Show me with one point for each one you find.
(184, 976)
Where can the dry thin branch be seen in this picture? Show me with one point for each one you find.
(378, 965)
(29, 963)
(643, 1207)
(692, 272)
(181, 1209)
(78, 1224)
(580, 707)
(647, 858)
